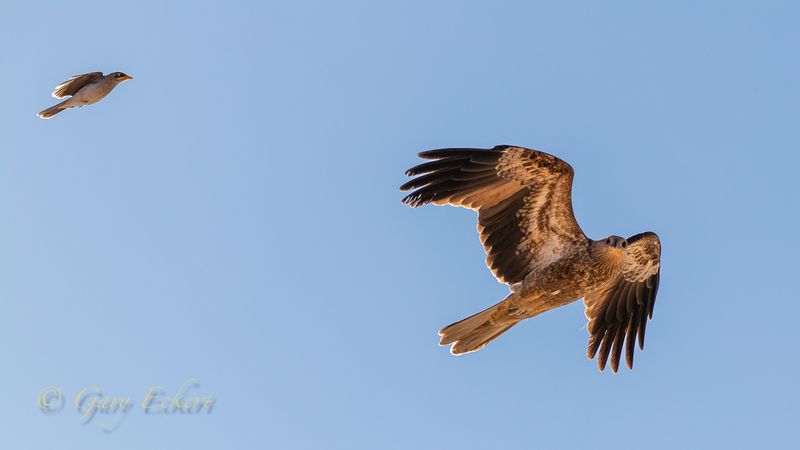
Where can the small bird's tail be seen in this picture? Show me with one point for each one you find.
(52, 111)
(474, 332)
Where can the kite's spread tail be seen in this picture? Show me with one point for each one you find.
(474, 332)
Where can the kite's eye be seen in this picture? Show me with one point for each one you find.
(624, 244)
(608, 241)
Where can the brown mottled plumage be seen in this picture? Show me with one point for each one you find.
(534, 244)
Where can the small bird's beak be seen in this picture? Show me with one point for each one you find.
(127, 77)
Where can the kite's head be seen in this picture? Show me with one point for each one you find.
(611, 253)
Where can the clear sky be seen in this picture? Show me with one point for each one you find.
(233, 214)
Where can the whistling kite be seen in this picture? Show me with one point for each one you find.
(534, 244)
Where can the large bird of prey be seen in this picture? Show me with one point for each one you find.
(534, 244)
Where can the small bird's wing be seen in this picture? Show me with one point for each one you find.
(618, 311)
(74, 84)
(523, 198)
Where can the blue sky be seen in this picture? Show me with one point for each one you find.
(232, 214)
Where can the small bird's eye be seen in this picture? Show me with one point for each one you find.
(608, 241)
(624, 244)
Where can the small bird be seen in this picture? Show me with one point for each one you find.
(534, 244)
(83, 90)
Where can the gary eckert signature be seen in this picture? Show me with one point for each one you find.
(91, 403)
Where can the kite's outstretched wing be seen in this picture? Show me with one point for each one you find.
(618, 311)
(523, 198)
